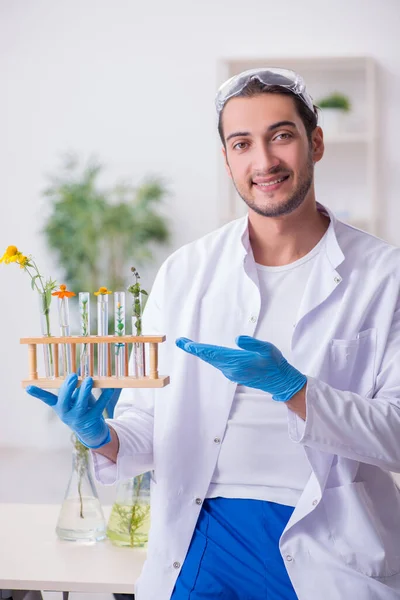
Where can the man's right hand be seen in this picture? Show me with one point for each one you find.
(78, 409)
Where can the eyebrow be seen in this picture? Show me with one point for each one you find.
(272, 127)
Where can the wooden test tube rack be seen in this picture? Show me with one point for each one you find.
(152, 379)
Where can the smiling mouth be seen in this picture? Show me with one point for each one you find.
(271, 184)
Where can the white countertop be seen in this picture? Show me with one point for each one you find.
(33, 558)
(33, 483)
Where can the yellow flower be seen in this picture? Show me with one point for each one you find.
(63, 292)
(23, 261)
(102, 291)
(10, 255)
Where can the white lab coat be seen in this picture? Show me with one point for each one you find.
(343, 539)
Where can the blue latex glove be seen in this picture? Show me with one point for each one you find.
(78, 409)
(258, 365)
(110, 408)
(109, 411)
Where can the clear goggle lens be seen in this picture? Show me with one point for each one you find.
(267, 76)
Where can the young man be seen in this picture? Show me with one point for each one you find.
(271, 456)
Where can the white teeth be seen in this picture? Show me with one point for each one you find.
(271, 182)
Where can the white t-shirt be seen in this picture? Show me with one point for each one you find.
(276, 469)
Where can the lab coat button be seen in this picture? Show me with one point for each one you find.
(176, 565)
(337, 280)
(253, 319)
(289, 558)
(315, 502)
(217, 440)
(199, 501)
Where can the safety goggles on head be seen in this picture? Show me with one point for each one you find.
(269, 76)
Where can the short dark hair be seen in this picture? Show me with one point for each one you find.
(256, 87)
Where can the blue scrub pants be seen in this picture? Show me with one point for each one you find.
(234, 553)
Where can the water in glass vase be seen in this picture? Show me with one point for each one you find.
(81, 519)
(129, 524)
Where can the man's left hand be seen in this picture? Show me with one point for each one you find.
(257, 364)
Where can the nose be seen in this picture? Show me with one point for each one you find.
(264, 158)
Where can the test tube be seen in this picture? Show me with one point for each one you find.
(102, 329)
(119, 327)
(84, 314)
(138, 349)
(65, 331)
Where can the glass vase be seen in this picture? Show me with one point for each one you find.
(138, 355)
(119, 328)
(81, 517)
(65, 331)
(44, 310)
(102, 329)
(129, 521)
(84, 317)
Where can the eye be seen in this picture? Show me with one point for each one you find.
(283, 136)
(240, 145)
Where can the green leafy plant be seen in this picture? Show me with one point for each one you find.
(136, 290)
(94, 231)
(335, 100)
(140, 512)
(85, 318)
(128, 520)
(119, 326)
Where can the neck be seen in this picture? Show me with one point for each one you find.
(278, 241)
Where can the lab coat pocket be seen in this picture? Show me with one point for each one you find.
(352, 362)
(366, 537)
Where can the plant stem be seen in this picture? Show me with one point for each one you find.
(80, 495)
(81, 465)
(136, 493)
(46, 309)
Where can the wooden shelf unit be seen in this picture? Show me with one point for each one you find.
(152, 380)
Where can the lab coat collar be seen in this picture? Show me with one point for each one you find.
(334, 252)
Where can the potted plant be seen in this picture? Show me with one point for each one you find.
(334, 107)
(95, 232)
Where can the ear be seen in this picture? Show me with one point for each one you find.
(227, 167)
(317, 144)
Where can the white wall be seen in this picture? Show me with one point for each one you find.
(134, 82)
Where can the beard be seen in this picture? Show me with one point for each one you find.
(295, 199)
